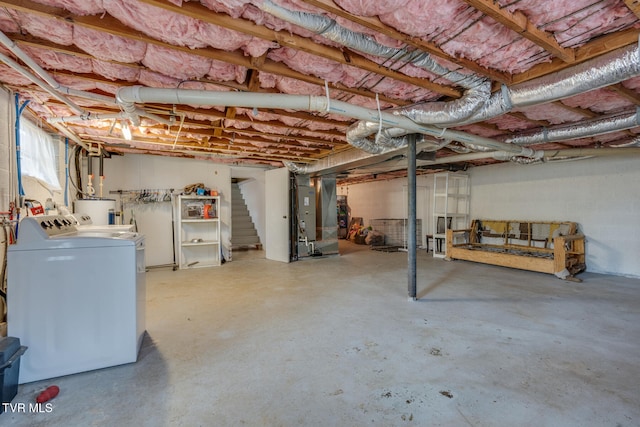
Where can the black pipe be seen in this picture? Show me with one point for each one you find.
(411, 226)
(101, 163)
(89, 165)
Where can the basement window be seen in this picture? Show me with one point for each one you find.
(38, 155)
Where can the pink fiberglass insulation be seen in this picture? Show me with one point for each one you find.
(153, 79)
(58, 61)
(116, 71)
(613, 136)
(175, 28)
(605, 22)
(553, 113)
(492, 45)
(234, 8)
(86, 130)
(600, 101)
(108, 88)
(223, 71)
(7, 22)
(366, 102)
(46, 28)
(401, 90)
(236, 124)
(511, 123)
(9, 76)
(429, 18)
(354, 77)
(107, 46)
(257, 47)
(268, 80)
(199, 117)
(308, 64)
(480, 130)
(293, 86)
(75, 82)
(296, 5)
(78, 7)
(633, 84)
(320, 126)
(58, 111)
(370, 8)
(262, 116)
(261, 127)
(573, 22)
(176, 64)
(336, 118)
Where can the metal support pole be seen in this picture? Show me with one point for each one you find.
(411, 226)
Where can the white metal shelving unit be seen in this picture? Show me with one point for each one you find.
(197, 231)
(451, 193)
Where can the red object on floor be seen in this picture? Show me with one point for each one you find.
(48, 394)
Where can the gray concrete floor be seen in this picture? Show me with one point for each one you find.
(335, 342)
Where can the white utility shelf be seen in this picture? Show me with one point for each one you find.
(197, 231)
(451, 193)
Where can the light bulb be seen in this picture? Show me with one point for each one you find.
(126, 131)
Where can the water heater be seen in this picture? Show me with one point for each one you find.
(97, 209)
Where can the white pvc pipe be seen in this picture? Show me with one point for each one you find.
(128, 96)
(9, 44)
(85, 117)
(44, 85)
(66, 132)
(54, 88)
(108, 116)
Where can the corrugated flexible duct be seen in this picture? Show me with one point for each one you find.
(611, 68)
(478, 90)
(600, 72)
(603, 71)
(612, 123)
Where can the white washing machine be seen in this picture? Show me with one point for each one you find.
(83, 222)
(77, 300)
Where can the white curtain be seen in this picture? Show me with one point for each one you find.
(37, 155)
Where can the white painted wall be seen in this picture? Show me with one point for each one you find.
(388, 199)
(137, 172)
(602, 195)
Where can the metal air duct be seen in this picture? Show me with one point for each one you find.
(478, 90)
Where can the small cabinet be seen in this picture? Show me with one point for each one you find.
(197, 231)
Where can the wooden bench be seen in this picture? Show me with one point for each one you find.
(545, 247)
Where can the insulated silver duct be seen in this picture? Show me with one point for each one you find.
(612, 123)
(611, 68)
(476, 105)
(478, 90)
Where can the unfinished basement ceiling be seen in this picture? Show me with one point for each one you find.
(99, 46)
